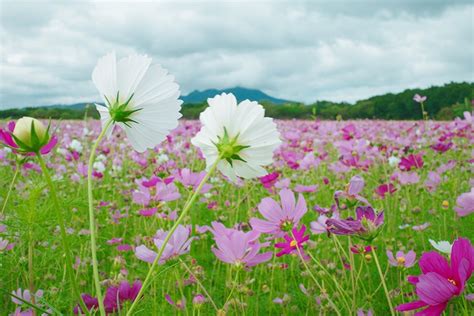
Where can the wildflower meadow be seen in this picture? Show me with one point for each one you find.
(144, 213)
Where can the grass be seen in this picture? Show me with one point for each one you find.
(30, 219)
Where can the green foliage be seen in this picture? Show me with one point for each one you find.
(444, 103)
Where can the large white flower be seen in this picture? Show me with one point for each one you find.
(240, 134)
(140, 97)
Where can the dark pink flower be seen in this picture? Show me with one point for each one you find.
(293, 243)
(385, 188)
(269, 180)
(442, 147)
(441, 281)
(411, 162)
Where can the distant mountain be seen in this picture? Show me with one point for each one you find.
(239, 92)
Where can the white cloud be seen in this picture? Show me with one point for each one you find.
(295, 50)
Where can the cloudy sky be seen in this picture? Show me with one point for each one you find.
(305, 51)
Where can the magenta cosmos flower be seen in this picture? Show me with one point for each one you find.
(239, 248)
(411, 162)
(279, 219)
(115, 296)
(401, 259)
(465, 203)
(441, 281)
(19, 137)
(293, 243)
(385, 188)
(179, 244)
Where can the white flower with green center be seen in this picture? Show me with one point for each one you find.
(139, 97)
(240, 135)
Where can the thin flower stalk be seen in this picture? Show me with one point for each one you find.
(62, 229)
(186, 209)
(10, 188)
(382, 279)
(200, 284)
(92, 224)
(314, 278)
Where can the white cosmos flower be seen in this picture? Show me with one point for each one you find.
(76, 145)
(240, 133)
(442, 246)
(140, 97)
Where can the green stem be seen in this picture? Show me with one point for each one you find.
(234, 285)
(187, 207)
(336, 283)
(62, 229)
(200, 284)
(313, 277)
(31, 275)
(92, 225)
(12, 184)
(382, 279)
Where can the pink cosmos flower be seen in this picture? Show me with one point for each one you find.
(320, 226)
(114, 297)
(180, 304)
(155, 189)
(279, 218)
(432, 181)
(401, 259)
(411, 162)
(420, 99)
(349, 132)
(441, 281)
(91, 303)
(355, 186)
(306, 188)
(291, 245)
(406, 177)
(365, 225)
(385, 188)
(178, 244)
(269, 180)
(360, 249)
(465, 203)
(193, 179)
(239, 248)
(442, 147)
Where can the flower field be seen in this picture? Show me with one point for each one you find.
(346, 218)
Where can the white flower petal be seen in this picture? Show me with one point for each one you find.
(104, 76)
(130, 72)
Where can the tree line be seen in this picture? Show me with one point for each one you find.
(444, 103)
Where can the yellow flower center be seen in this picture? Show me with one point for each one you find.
(401, 260)
(293, 243)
